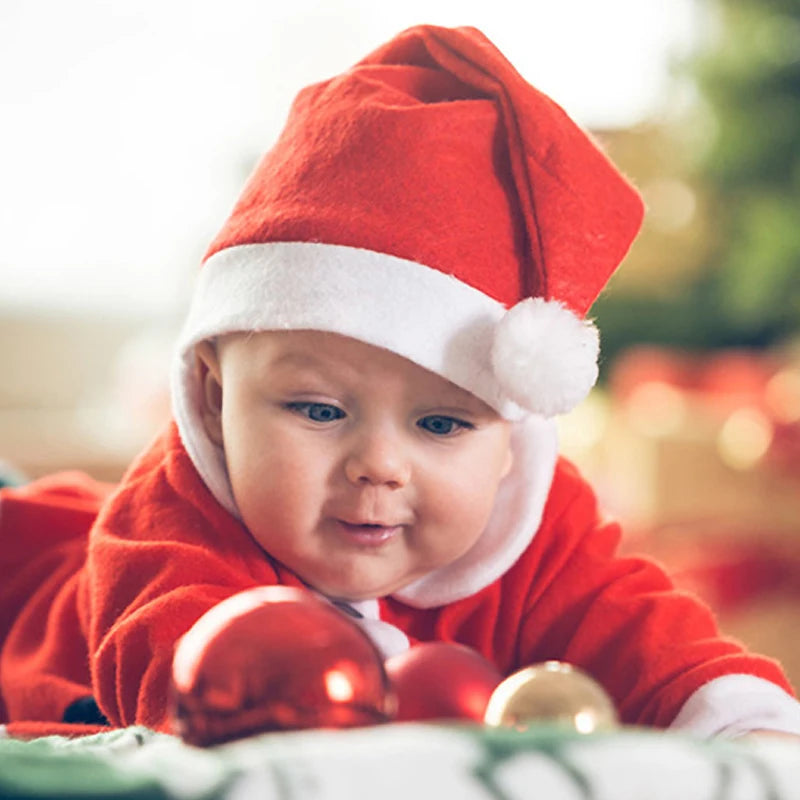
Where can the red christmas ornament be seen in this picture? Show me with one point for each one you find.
(438, 680)
(275, 658)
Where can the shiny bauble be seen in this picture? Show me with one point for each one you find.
(275, 658)
(552, 693)
(439, 680)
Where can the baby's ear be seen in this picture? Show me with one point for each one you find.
(210, 377)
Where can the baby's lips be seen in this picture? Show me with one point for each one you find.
(356, 519)
(369, 524)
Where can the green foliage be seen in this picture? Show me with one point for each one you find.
(749, 291)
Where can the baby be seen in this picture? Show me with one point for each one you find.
(363, 402)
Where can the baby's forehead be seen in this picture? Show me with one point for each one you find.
(311, 348)
(338, 357)
(322, 351)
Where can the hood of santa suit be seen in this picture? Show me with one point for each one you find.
(431, 202)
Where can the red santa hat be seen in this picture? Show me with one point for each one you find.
(431, 202)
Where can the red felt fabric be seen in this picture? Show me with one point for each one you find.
(434, 149)
(103, 619)
(34, 730)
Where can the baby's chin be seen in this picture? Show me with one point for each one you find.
(340, 595)
(357, 594)
(358, 580)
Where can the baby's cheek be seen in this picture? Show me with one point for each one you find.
(479, 500)
(462, 512)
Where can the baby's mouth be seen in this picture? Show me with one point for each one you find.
(368, 533)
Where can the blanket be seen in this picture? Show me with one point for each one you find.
(402, 760)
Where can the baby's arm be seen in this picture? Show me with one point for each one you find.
(161, 553)
(652, 647)
(131, 659)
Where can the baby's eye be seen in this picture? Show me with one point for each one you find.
(317, 412)
(441, 425)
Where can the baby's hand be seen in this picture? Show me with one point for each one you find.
(760, 735)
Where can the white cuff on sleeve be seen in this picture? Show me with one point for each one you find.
(734, 705)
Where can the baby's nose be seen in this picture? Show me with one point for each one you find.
(378, 459)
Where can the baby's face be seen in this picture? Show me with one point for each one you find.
(353, 466)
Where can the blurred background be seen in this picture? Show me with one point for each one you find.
(129, 126)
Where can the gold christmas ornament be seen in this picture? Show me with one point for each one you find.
(552, 693)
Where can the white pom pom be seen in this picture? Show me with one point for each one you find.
(545, 356)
